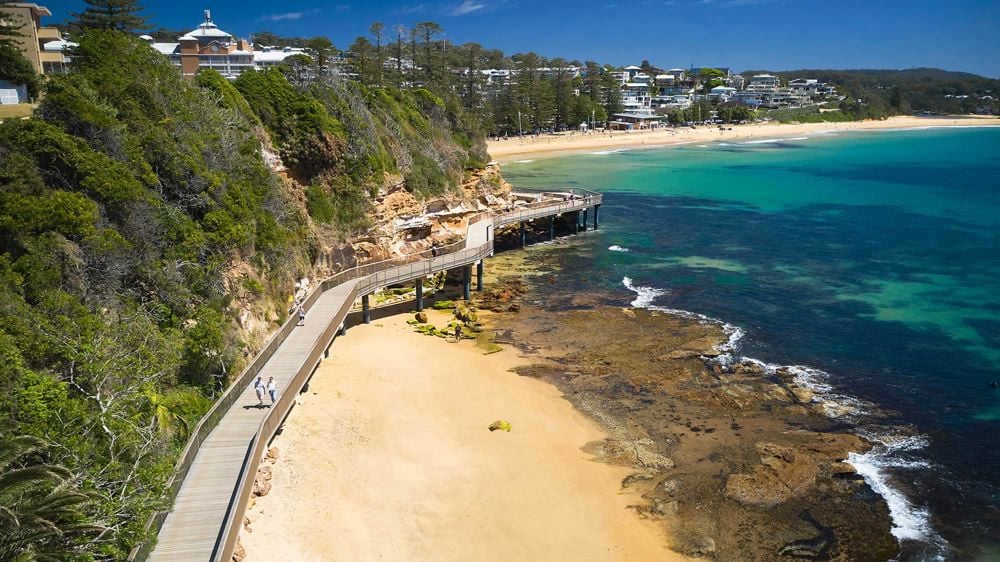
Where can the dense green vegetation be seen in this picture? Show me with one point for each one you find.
(123, 205)
(126, 204)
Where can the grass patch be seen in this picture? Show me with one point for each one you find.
(17, 110)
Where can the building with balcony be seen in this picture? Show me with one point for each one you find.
(27, 20)
(763, 84)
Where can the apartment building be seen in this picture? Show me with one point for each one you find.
(27, 19)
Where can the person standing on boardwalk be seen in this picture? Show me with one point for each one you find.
(272, 390)
(258, 387)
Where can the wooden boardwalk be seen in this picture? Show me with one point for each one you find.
(207, 512)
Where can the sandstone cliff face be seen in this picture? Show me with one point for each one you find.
(404, 225)
(401, 225)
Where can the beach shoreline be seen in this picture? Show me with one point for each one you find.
(388, 456)
(547, 146)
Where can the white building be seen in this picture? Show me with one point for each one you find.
(722, 93)
(763, 83)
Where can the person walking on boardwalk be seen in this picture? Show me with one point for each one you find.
(272, 390)
(258, 387)
(302, 316)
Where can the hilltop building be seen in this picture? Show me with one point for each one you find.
(34, 38)
(208, 47)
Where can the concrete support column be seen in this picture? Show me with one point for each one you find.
(583, 226)
(466, 281)
(326, 353)
(523, 234)
(420, 295)
(342, 330)
(552, 228)
(576, 222)
(596, 208)
(366, 310)
(479, 275)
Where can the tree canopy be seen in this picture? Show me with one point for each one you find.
(116, 15)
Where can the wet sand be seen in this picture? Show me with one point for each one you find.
(514, 149)
(387, 456)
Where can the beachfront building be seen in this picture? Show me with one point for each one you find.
(763, 84)
(722, 93)
(33, 37)
(810, 89)
(635, 121)
(636, 98)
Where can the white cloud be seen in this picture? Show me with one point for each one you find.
(287, 16)
(419, 8)
(467, 7)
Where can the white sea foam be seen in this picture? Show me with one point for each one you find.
(702, 146)
(523, 161)
(644, 295)
(617, 248)
(616, 151)
(772, 141)
(890, 449)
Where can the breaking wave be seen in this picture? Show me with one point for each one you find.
(892, 447)
(617, 248)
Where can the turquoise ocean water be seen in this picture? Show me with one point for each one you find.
(871, 260)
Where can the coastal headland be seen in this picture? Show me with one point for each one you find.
(514, 149)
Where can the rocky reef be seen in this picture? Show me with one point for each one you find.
(740, 463)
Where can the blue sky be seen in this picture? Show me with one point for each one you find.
(742, 34)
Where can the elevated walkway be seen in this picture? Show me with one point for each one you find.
(214, 477)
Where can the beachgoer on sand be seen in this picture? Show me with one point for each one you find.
(272, 390)
(458, 332)
(258, 387)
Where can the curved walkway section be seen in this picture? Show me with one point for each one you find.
(215, 474)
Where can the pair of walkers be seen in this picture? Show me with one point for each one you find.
(271, 388)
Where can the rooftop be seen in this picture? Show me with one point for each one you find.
(207, 30)
(37, 10)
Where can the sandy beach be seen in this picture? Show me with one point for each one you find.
(387, 456)
(513, 149)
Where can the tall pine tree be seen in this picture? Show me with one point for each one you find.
(117, 15)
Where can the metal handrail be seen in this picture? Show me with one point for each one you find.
(371, 276)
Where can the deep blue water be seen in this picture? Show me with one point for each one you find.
(872, 257)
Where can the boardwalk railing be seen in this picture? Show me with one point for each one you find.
(367, 279)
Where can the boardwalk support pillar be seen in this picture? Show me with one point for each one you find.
(366, 310)
(596, 208)
(420, 295)
(523, 234)
(552, 228)
(583, 225)
(466, 281)
(479, 275)
(576, 222)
